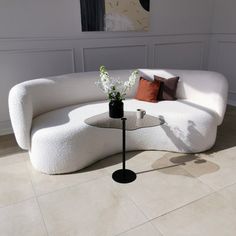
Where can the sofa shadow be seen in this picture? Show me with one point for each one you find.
(223, 142)
(226, 133)
(9, 146)
(117, 159)
(158, 169)
(194, 166)
(178, 138)
(109, 161)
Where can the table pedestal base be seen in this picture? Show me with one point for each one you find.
(124, 176)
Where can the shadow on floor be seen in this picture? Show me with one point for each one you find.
(157, 169)
(226, 133)
(195, 164)
(8, 145)
(110, 161)
(192, 163)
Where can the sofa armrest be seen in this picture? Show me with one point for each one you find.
(21, 114)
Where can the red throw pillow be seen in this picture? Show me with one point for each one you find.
(168, 88)
(147, 90)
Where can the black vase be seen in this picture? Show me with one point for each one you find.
(116, 109)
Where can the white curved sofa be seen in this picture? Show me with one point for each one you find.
(48, 117)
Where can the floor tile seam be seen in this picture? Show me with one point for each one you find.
(40, 210)
(200, 180)
(73, 186)
(225, 187)
(125, 231)
(182, 167)
(69, 186)
(136, 205)
(148, 221)
(184, 205)
(29, 178)
(211, 187)
(41, 214)
(157, 228)
(124, 194)
(17, 202)
(216, 189)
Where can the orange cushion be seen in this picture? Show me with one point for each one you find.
(147, 90)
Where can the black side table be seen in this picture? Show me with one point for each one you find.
(124, 175)
(128, 122)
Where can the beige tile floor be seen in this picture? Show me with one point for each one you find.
(174, 194)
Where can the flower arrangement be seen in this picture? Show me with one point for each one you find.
(114, 88)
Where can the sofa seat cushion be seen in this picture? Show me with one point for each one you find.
(57, 146)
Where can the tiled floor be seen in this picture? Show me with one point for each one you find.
(174, 194)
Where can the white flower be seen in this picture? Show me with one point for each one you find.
(115, 88)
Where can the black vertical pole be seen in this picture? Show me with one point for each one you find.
(123, 140)
(123, 175)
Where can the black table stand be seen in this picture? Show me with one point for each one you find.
(123, 175)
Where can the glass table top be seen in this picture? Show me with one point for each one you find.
(132, 123)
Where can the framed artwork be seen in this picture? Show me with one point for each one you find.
(115, 15)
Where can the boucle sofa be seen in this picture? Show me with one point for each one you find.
(48, 117)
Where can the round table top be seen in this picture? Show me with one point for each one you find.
(132, 123)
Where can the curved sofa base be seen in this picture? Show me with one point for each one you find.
(66, 144)
(53, 170)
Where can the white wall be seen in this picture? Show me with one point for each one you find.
(61, 18)
(222, 56)
(43, 38)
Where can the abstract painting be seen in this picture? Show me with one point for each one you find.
(115, 15)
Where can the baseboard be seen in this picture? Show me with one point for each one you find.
(5, 128)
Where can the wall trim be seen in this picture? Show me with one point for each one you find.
(226, 41)
(35, 50)
(114, 46)
(40, 50)
(180, 42)
(218, 50)
(202, 63)
(101, 35)
(213, 34)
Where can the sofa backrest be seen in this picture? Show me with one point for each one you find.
(204, 88)
(58, 91)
